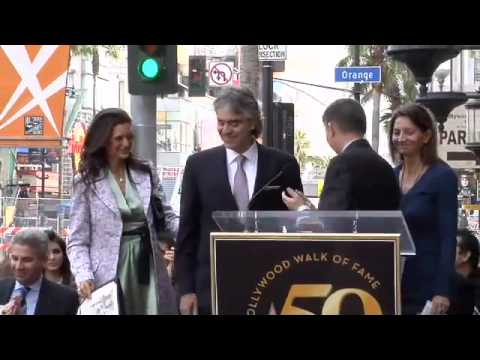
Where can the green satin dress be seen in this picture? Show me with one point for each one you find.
(139, 299)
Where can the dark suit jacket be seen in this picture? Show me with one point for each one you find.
(462, 300)
(54, 299)
(205, 189)
(359, 179)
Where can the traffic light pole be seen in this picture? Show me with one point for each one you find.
(267, 102)
(43, 173)
(356, 62)
(144, 116)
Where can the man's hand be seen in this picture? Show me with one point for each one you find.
(189, 304)
(11, 308)
(294, 200)
(170, 255)
(440, 305)
(169, 259)
(86, 288)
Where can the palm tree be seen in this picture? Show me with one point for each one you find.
(398, 83)
(113, 51)
(85, 51)
(302, 144)
(320, 163)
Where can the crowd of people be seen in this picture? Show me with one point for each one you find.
(123, 228)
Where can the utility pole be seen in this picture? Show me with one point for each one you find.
(267, 102)
(356, 62)
(144, 116)
(60, 169)
(44, 150)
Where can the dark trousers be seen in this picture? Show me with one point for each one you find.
(204, 310)
(412, 309)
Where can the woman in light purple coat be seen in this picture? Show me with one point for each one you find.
(112, 234)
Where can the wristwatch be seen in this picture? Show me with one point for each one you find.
(303, 208)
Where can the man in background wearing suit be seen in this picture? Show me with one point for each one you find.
(30, 293)
(242, 175)
(357, 178)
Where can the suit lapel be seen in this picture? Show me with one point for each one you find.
(262, 169)
(104, 192)
(221, 167)
(43, 302)
(143, 185)
(267, 171)
(7, 291)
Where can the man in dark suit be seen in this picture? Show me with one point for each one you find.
(357, 178)
(239, 175)
(30, 293)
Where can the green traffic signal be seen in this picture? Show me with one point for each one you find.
(150, 68)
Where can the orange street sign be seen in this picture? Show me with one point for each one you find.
(33, 79)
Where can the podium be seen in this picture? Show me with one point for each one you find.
(308, 263)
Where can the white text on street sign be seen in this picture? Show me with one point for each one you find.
(359, 74)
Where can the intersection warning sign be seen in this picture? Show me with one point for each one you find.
(272, 52)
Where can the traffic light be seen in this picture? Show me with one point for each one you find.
(197, 80)
(152, 69)
(283, 127)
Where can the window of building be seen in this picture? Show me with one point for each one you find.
(173, 133)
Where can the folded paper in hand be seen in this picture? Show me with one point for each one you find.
(427, 310)
(103, 301)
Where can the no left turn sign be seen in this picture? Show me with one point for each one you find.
(220, 73)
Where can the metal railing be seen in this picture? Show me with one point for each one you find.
(17, 213)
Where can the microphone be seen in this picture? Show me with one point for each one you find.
(267, 184)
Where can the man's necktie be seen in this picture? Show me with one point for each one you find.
(22, 294)
(240, 185)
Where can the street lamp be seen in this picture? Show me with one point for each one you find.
(473, 123)
(440, 75)
(441, 104)
(423, 60)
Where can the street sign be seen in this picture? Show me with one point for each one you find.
(452, 140)
(220, 73)
(236, 77)
(272, 52)
(359, 74)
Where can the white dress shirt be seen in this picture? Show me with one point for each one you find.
(250, 166)
(31, 299)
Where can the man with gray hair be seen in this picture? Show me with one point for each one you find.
(29, 292)
(241, 175)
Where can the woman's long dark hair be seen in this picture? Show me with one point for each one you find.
(94, 154)
(422, 118)
(64, 270)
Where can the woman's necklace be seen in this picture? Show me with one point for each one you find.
(120, 178)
